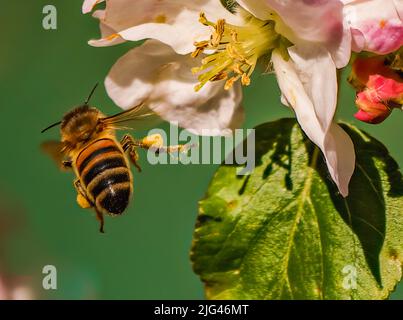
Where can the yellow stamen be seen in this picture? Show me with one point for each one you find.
(245, 80)
(219, 76)
(200, 46)
(203, 19)
(237, 69)
(230, 82)
(195, 70)
(218, 33)
(235, 50)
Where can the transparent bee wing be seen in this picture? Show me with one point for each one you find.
(137, 118)
(53, 149)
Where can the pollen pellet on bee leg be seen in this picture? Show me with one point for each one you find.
(82, 202)
(154, 140)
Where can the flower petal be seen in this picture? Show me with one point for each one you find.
(319, 21)
(314, 20)
(153, 73)
(340, 154)
(109, 36)
(175, 23)
(317, 72)
(257, 8)
(88, 5)
(376, 25)
(335, 144)
(341, 50)
(399, 8)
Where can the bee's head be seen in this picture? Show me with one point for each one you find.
(80, 125)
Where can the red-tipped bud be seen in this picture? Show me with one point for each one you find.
(371, 110)
(381, 89)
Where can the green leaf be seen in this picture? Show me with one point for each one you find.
(284, 232)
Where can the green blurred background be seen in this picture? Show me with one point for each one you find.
(145, 253)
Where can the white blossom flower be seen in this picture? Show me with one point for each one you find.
(305, 41)
(159, 72)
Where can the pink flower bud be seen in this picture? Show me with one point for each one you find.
(363, 68)
(380, 89)
(377, 101)
(371, 110)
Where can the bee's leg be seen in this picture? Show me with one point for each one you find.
(67, 164)
(155, 142)
(85, 203)
(129, 145)
(82, 198)
(100, 218)
(134, 157)
(152, 141)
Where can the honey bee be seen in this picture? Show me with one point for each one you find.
(90, 148)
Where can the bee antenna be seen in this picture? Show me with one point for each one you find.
(51, 126)
(91, 93)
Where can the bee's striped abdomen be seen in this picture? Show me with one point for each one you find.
(104, 173)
